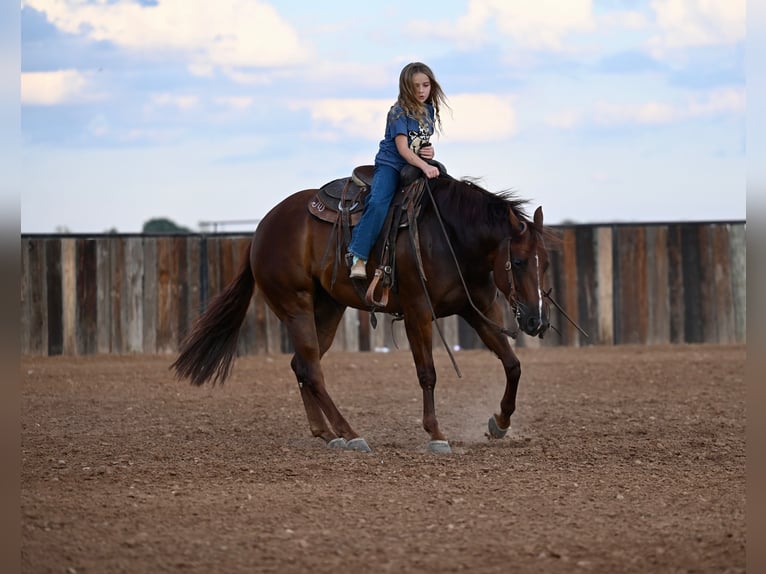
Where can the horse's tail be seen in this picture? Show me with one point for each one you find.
(208, 350)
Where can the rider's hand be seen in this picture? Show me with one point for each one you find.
(431, 171)
(426, 152)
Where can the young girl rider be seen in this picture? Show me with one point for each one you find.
(409, 127)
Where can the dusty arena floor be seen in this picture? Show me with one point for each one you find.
(625, 459)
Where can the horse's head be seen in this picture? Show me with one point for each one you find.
(519, 270)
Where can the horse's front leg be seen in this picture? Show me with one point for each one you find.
(497, 342)
(419, 334)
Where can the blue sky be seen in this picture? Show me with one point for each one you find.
(599, 110)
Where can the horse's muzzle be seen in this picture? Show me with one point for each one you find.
(533, 324)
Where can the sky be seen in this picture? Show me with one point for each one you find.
(601, 111)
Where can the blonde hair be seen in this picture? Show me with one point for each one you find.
(408, 100)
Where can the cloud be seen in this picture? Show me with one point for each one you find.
(647, 113)
(543, 24)
(729, 100)
(565, 120)
(180, 102)
(479, 118)
(357, 118)
(234, 34)
(697, 106)
(695, 23)
(57, 87)
(725, 101)
(473, 118)
(237, 103)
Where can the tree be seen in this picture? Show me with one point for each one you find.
(163, 225)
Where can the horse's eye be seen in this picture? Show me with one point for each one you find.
(519, 263)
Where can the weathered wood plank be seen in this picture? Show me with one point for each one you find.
(569, 288)
(738, 266)
(556, 281)
(721, 271)
(179, 280)
(605, 296)
(32, 297)
(213, 267)
(166, 300)
(69, 289)
(350, 327)
(119, 296)
(692, 279)
(587, 284)
(630, 286)
(26, 328)
(105, 303)
(676, 285)
(87, 297)
(150, 310)
(657, 288)
(708, 310)
(365, 331)
(377, 334)
(54, 294)
(204, 280)
(228, 265)
(339, 341)
(133, 317)
(194, 279)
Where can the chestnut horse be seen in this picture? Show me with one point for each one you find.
(474, 245)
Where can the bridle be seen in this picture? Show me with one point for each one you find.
(513, 302)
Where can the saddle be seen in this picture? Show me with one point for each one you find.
(347, 195)
(341, 202)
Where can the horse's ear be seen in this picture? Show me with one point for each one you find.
(516, 223)
(538, 217)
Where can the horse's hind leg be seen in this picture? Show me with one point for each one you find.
(498, 343)
(326, 319)
(312, 336)
(317, 423)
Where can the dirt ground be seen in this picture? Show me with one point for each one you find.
(626, 459)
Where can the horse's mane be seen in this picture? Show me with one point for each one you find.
(463, 201)
(470, 202)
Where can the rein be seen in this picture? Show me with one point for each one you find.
(547, 295)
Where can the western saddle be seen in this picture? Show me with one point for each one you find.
(341, 202)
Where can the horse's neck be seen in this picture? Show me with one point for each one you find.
(469, 243)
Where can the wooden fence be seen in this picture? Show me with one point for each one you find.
(623, 284)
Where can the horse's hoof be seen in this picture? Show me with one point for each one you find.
(337, 443)
(439, 447)
(494, 429)
(359, 444)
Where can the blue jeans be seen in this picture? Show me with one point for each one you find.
(385, 182)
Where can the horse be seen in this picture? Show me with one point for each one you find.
(472, 252)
